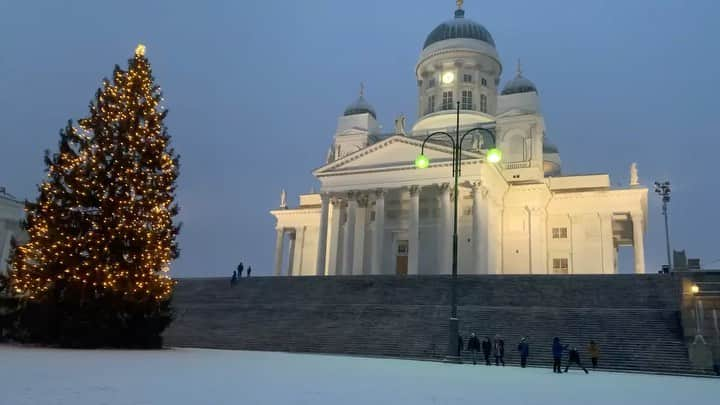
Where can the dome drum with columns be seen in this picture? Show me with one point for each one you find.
(378, 214)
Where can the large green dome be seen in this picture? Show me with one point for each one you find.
(459, 27)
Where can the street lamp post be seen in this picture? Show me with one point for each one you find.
(663, 190)
(493, 156)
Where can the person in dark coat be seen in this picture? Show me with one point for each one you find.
(474, 347)
(499, 350)
(557, 351)
(594, 351)
(234, 279)
(574, 357)
(249, 271)
(460, 345)
(524, 349)
(239, 270)
(486, 348)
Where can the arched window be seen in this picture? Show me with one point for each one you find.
(467, 102)
(483, 103)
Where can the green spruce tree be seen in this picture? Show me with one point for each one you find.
(102, 236)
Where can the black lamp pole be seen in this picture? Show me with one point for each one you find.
(456, 142)
(663, 190)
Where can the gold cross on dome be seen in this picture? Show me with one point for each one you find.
(459, 4)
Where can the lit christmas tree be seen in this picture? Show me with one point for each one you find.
(101, 232)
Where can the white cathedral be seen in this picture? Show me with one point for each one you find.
(379, 214)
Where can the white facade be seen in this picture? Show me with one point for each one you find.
(378, 214)
(11, 215)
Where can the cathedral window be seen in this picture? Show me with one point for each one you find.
(467, 101)
(559, 233)
(447, 101)
(483, 81)
(483, 103)
(467, 78)
(431, 83)
(430, 105)
(560, 266)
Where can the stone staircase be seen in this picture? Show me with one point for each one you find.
(634, 318)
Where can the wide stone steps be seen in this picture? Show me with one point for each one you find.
(408, 317)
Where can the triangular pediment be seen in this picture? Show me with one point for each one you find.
(394, 152)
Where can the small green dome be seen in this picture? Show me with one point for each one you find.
(360, 106)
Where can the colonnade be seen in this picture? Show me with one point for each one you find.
(343, 219)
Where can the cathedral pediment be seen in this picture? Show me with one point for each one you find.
(396, 152)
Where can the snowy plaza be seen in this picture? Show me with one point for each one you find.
(33, 376)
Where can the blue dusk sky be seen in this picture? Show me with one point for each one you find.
(254, 89)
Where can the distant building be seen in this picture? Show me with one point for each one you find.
(378, 214)
(11, 216)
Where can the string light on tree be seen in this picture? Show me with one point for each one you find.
(102, 226)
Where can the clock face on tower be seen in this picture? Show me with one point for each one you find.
(448, 77)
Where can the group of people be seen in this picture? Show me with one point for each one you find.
(496, 348)
(237, 274)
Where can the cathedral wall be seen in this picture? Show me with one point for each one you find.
(516, 241)
(587, 249)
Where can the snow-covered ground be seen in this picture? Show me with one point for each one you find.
(215, 377)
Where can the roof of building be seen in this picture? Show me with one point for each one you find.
(459, 27)
(519, 84)
(360, 106)
(549, 147)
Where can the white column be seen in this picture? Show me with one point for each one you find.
(378, 233)
(607, 243)
(638, 242)
(291, 254)
(414, 232)
(334, 238)
(300, 243)
(479, 229)
(279, 240)
(538, 241)
(359, 245)
(348, 237)
(322, 236)
(444, 235)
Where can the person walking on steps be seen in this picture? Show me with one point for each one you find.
(249, 271)
(486, 348)
(524, 349)
(557, 351)
(594, 351)
(499, 350)
(474, 347)
(234, 279)
(574, 357)
(239, 270)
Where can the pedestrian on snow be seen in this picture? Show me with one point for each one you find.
(594, 351)
(460, 345)
(474, 347)
(574, 357)
(499, 350)
(486, 348)
(234, 279)
(249, 270)
(524, 349)
(557, 351)
(239, 270)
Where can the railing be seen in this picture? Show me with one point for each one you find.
(516, 165)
